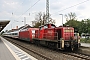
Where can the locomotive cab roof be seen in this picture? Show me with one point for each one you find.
(47, 26)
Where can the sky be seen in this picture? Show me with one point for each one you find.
(17, 10)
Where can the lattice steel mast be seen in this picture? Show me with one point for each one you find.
(47, 12)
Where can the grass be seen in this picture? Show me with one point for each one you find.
(85, 40)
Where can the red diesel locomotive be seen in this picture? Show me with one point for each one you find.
(56, 37)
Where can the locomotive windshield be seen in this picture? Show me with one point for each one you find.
(68, 30)
(41, 28)
(52, 26)
(45, 26)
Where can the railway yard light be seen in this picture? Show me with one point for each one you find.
(62, 18)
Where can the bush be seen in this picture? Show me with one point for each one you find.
(85, 40)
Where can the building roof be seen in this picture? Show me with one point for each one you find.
(21, 28)
(3, 24)
(25, 26)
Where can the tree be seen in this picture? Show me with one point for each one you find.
(85, 26)
(71, 21)
(40, 19)
(79, 26)
(70, 16)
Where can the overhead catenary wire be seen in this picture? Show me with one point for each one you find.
(17, 7)
(72, 6)
(25, 11)
(28, 9)
(53, 13)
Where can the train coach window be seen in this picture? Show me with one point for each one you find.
(12, 33)
(16, 34)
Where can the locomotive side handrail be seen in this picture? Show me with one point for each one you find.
(51, 36)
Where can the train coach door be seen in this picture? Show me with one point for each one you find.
(33, 33)
(41, 32)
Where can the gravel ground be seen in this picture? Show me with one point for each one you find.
(84, 50)
(54, 55)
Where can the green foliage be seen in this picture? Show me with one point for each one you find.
(79, 26)
(73, 23)
(85, 40)
(37, 25)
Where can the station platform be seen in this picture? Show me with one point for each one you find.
(8, 51)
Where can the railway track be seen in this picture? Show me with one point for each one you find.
(77, 55)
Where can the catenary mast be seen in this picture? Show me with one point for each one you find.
(47, 12)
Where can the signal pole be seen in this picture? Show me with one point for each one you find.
(47, 12)
(62, 18)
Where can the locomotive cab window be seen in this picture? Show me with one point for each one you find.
(45, 26)
(68, 30)
(52, 26)
(40, 28)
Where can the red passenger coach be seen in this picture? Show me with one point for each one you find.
(27, 34)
